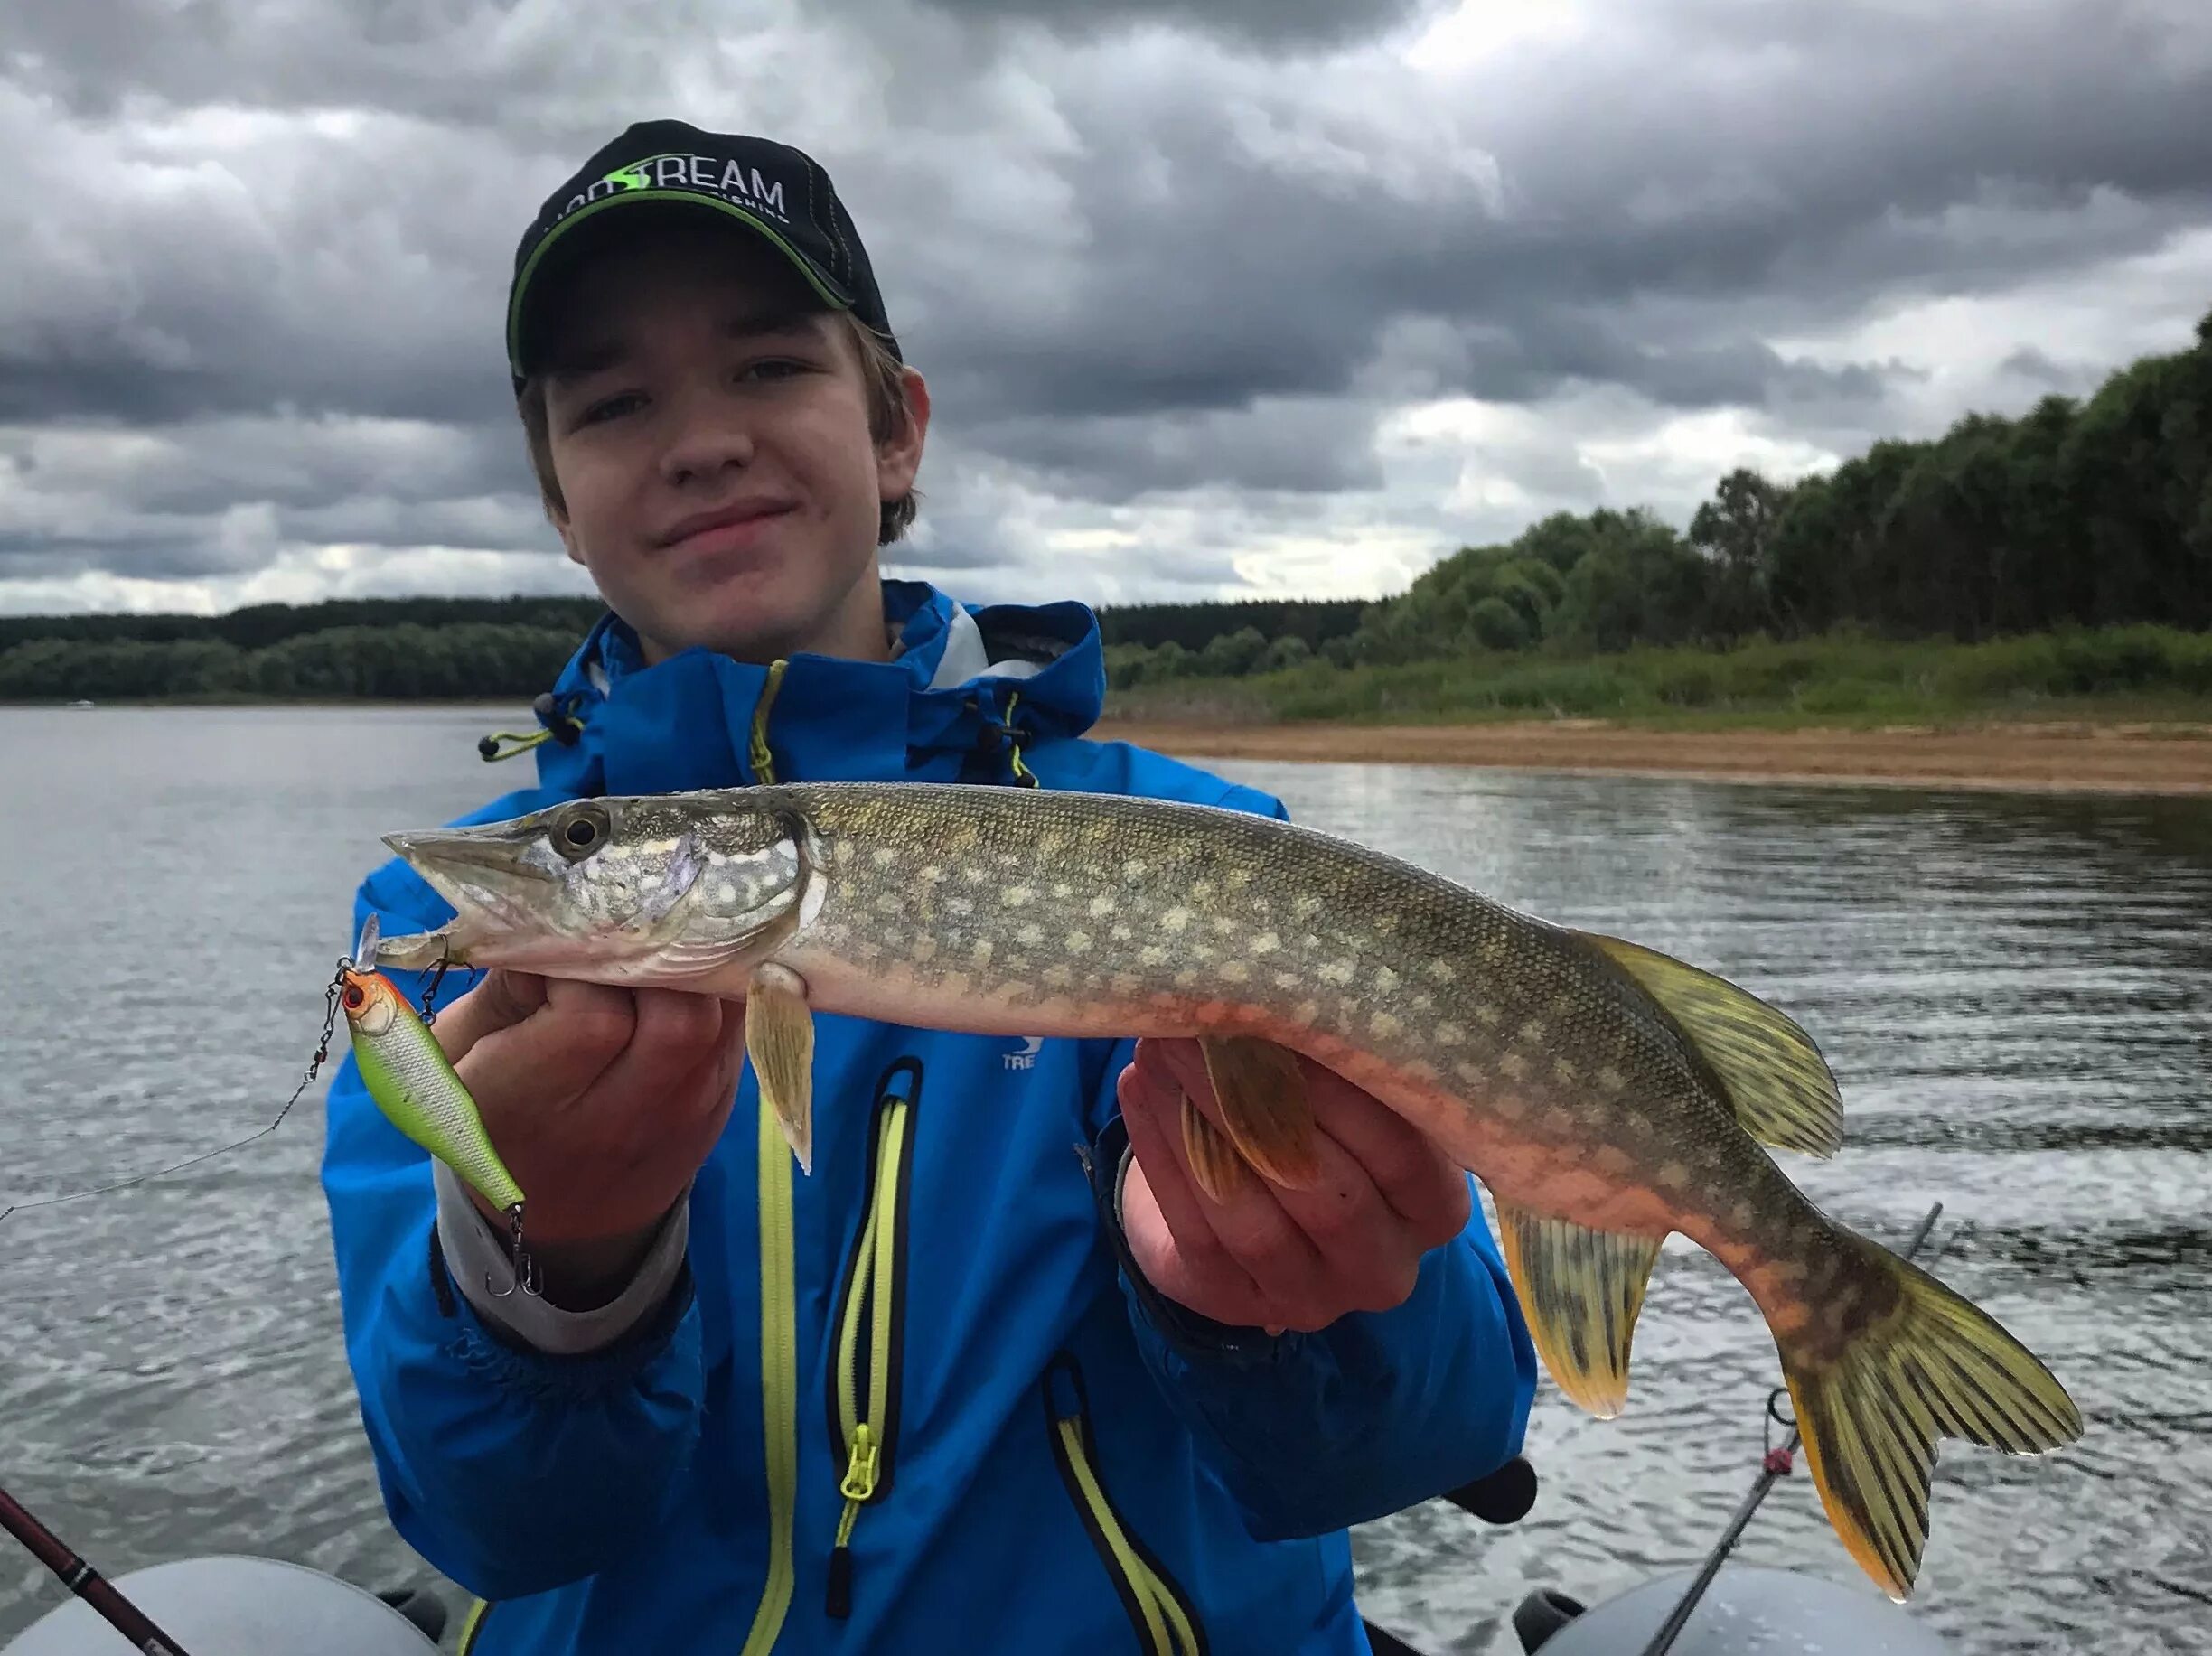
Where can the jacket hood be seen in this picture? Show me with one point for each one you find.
(965, 692)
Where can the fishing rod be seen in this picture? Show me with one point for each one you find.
(85, 1582)
(1775, 1467)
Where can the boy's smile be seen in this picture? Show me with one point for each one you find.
(710, 427)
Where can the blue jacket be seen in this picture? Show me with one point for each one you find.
(1063, 1460)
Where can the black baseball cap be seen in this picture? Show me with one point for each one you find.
(780, 193)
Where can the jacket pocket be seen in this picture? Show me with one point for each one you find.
(1164, 1619)
(870, 1323)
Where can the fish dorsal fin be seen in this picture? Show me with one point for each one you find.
(1774, 1076)
(1580, 1290)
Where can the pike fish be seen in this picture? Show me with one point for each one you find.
(1607, 1095)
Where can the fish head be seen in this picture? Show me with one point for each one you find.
(646, 890)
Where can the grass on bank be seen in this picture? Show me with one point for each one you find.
(2150, 674)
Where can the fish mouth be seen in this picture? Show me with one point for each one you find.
(500, 884)
(435, 853)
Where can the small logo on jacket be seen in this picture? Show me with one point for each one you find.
(1027, 1058)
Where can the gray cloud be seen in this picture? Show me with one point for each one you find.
(1322, 445)
(1265, 22)
(1596, 192)
(259, 307)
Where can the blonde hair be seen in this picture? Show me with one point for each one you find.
(882, 376)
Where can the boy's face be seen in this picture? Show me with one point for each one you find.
(708, 427)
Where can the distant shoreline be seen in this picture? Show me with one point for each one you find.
(2085, 756)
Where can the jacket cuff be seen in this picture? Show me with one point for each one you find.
(476, 1251)
(1107, 1160)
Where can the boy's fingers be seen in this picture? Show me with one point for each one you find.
(681, 1039)
(502, 1000)
(553, 1053)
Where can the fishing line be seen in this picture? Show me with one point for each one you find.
(314, 1068)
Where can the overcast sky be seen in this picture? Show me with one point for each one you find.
(1256, 296)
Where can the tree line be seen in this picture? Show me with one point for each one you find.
(2089, 514)
(406, 661)
(2079, 513)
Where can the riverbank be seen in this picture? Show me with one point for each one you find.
(2147, 757)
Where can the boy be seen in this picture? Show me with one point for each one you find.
(996, 1376)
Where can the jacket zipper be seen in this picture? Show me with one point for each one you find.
(864, 1398)
(778, 1306)
(779, 1379)
(1165, 1622)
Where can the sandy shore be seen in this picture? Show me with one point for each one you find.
(2169, 759)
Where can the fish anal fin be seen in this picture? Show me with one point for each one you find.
(779, 1043)
(1774, 1076)
(1264, 1111)
(1580, 1290)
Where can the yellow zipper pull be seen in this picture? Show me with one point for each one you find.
(860, 1471)
(860, 1485)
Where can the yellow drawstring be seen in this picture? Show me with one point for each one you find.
(493, 752)
(764, 765)
(1022, 774)
(545, 707)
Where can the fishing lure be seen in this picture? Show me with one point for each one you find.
(409, 1075)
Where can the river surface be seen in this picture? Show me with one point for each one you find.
(2015, 991)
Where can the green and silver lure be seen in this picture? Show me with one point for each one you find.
(411, 1079)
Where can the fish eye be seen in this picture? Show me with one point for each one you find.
(354, 998)
(581, 834)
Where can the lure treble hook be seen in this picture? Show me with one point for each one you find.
(527, 1276)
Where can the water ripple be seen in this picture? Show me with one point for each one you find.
(2014, 991)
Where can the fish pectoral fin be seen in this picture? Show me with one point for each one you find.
(1214, 1163)
(1771, 1072)
(779, 1043)
(1580, 1290)
(1264, 1111)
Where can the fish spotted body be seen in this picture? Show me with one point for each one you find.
(1605, 1094)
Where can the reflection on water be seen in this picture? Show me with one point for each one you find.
(2013, 990)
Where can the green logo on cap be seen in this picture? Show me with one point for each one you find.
(631, 177)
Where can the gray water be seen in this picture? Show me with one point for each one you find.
(2013, 990)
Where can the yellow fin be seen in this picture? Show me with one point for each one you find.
(1770, 1070)
(779, 1041)
(1931, 1364)
(1580, 1290)
(1214, 1162)
(1264, 1109)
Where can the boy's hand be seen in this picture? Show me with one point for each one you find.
(1271, 1257)
(603, 1102)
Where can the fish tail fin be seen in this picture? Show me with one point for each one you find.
(1922, 1362)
